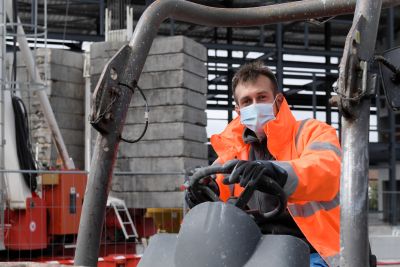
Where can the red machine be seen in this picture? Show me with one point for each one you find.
(48, 226)
(27, 229)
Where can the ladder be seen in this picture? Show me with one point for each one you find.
(124, 218)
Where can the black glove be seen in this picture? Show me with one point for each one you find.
(195, 195)
(246, 171)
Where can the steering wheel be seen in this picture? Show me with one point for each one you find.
(266, 185)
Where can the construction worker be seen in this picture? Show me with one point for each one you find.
(303, 157)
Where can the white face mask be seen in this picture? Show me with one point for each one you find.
(256, 116)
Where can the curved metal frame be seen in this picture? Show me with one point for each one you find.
(129, 62)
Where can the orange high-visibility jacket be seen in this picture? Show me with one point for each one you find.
(310, 152)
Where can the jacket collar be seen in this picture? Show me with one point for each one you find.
(279, 132)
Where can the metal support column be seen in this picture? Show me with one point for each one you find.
(279, 54)
(328, 61)
(3, 31)
(101, 17)
(229, 77)
(355, 104)
(88, 132)
(314, 97)
(392, 125)
(34, 12)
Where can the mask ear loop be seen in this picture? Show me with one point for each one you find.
(275, 103)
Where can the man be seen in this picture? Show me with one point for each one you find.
(302, 156)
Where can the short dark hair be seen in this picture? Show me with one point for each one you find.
(249, 72)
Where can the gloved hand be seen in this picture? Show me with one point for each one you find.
(246, 171)
(195, 195)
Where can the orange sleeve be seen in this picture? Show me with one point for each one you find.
(315, 175)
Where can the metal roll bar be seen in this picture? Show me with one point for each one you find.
(115, 88)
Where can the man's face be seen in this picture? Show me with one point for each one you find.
(259, 91)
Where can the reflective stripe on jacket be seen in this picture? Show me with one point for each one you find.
(310, 152)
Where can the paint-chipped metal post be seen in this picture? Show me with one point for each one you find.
(3, 191)
(356, 85)
(116, 85)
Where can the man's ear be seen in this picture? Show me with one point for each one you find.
(279, 99)
(237, 109)
(278, 102)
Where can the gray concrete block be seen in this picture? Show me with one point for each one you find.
(70, 121)
(67, 105)
(159, 165)
(195, 49)
(93, 82)
(163, 80)
(178, 113)
(97, 65)
(67, 89)
(164, 148)
(63, 73)
(103, 49)
(160, 45)
(146, 183)
(195, 132)
(167, 131)
(151, 199)
(173, 79)
(166, 97)
(175, 61)
(76, 152)
(73, 137)
(176, 44)
(60, 57)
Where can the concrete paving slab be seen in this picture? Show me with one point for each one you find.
(67, 89)
(178, 113)
(67, 105)
(173, 79)
(168, 131)
(167, 164)
(71, 121)
(173, 96)
(147, 183)
(151, 199)
(175, 61)
(164, 148)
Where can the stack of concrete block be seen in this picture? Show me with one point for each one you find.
(66, 92)
(175, 85)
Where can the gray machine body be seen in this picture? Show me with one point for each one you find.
(219, 234)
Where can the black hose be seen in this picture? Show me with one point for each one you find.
(391, 67)
(24, 148)
(146, 117)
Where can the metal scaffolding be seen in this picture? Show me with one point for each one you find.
(307, 84)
